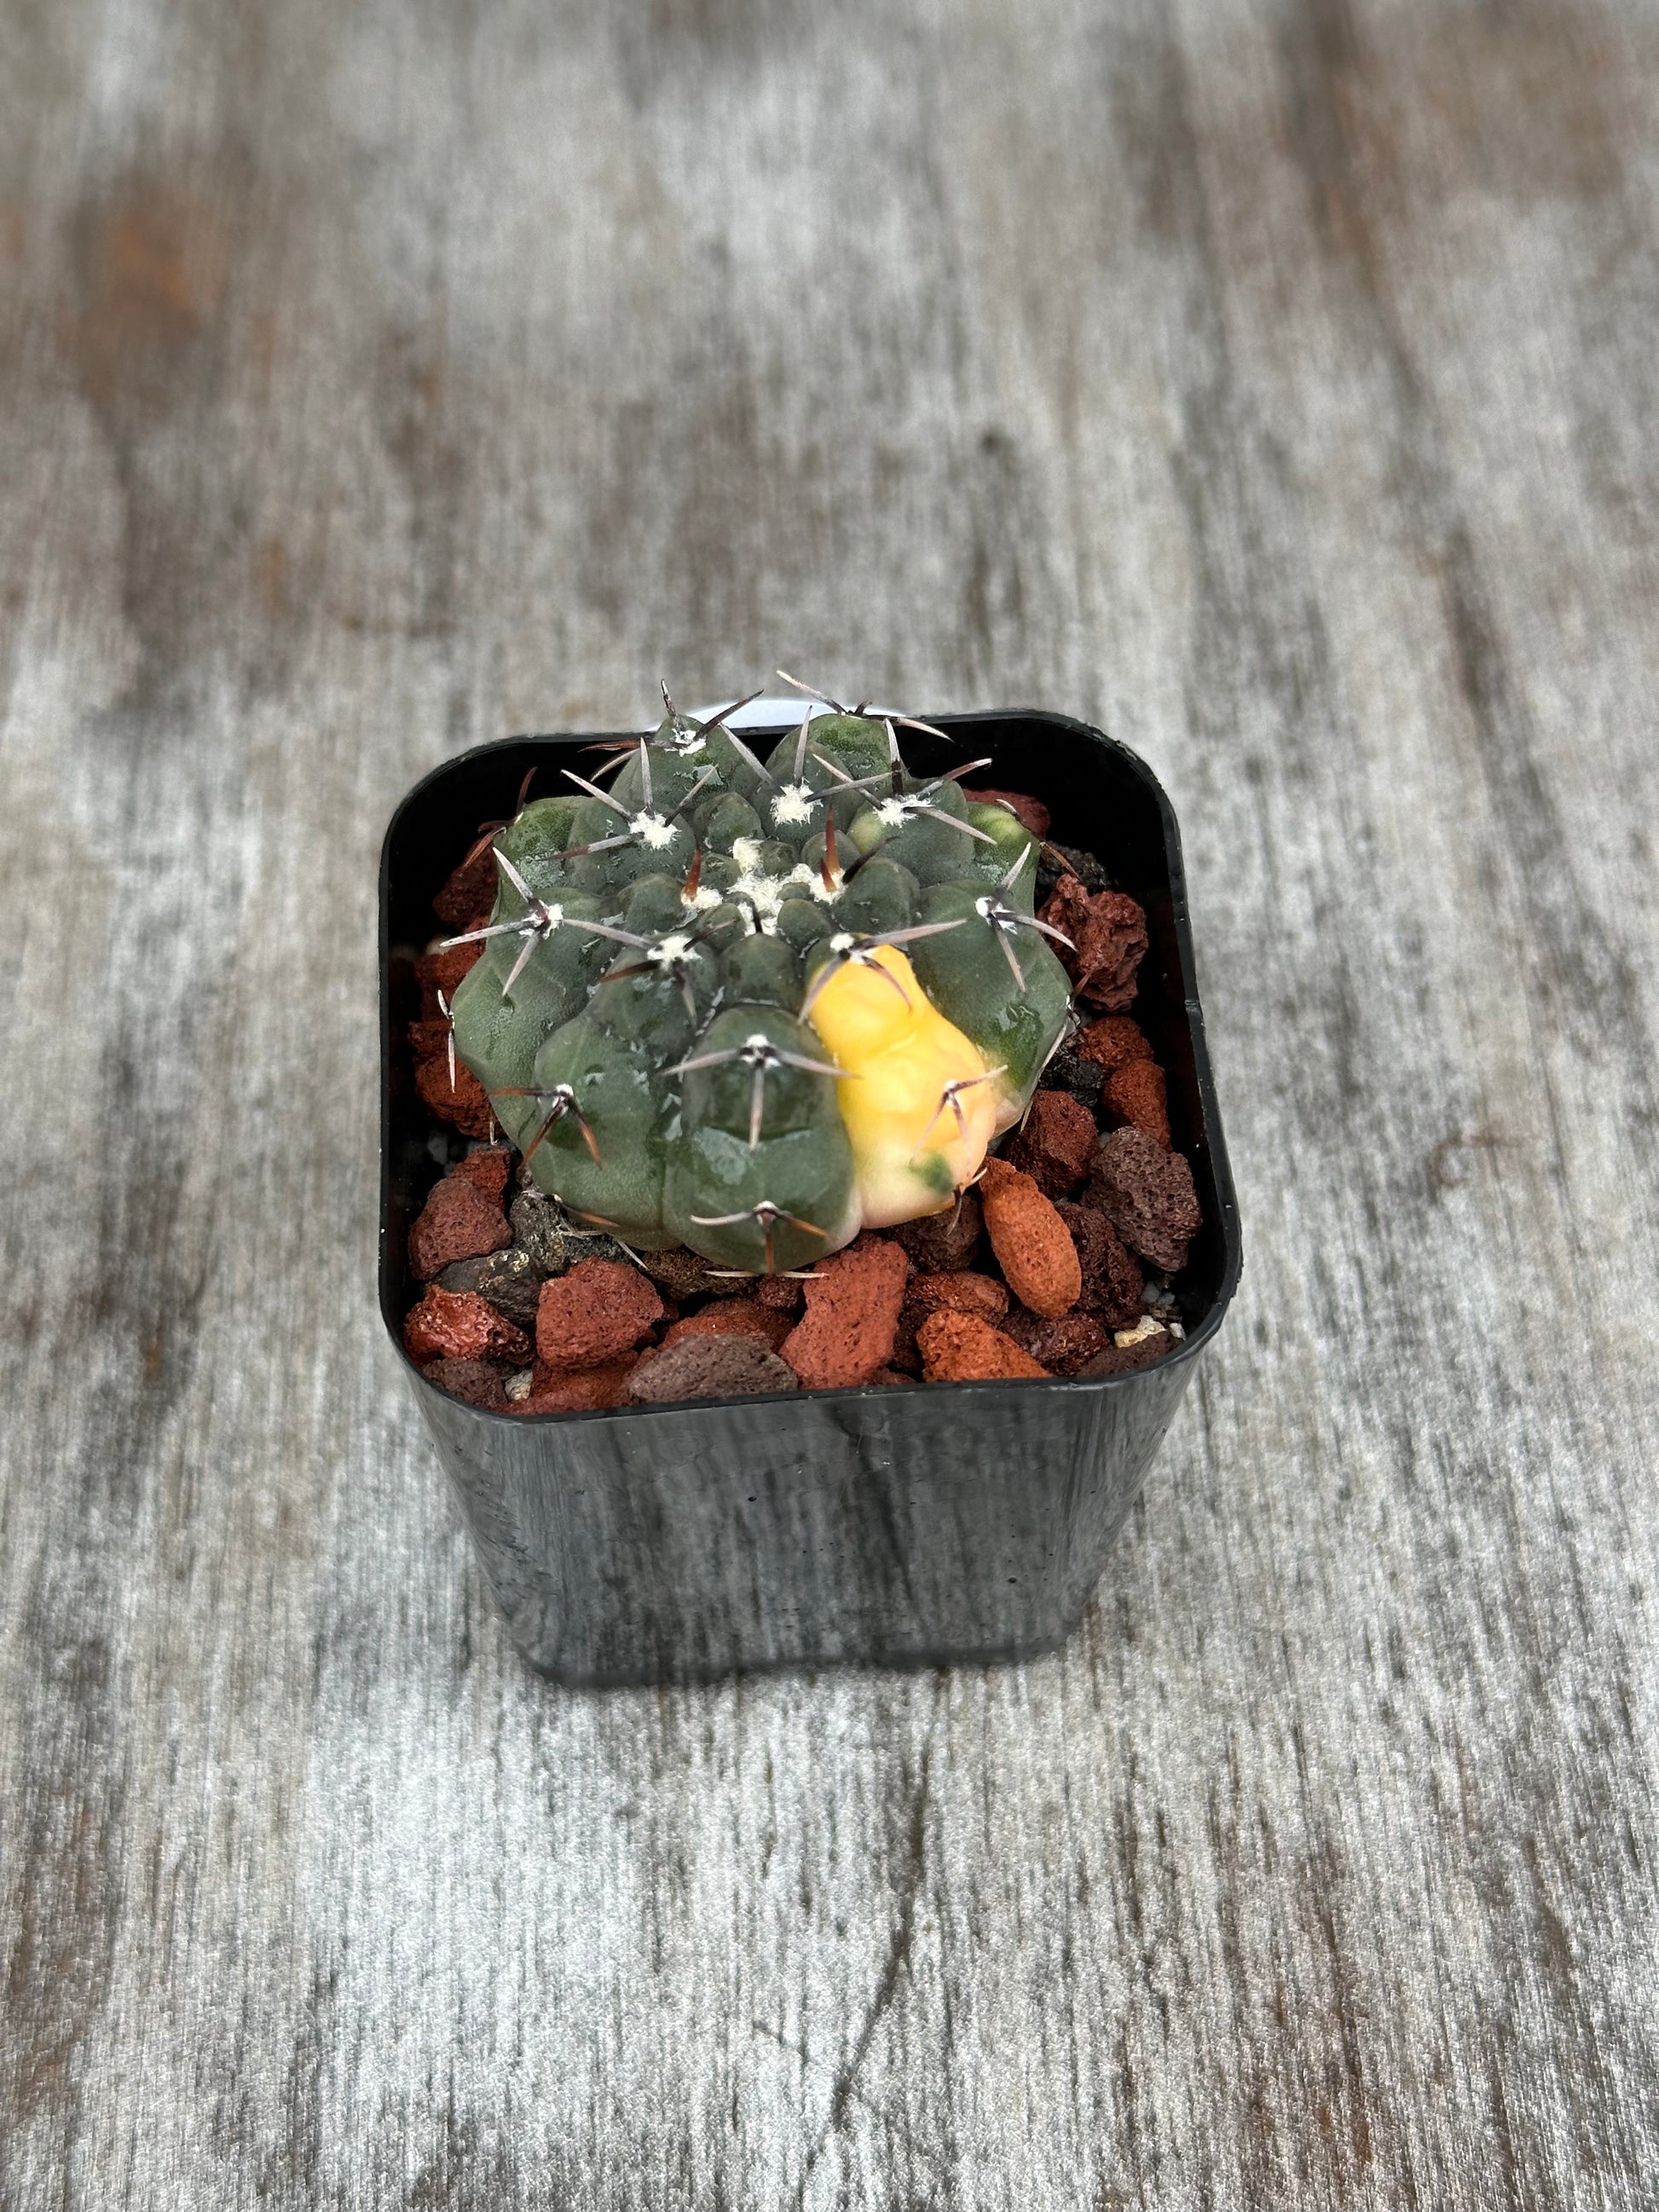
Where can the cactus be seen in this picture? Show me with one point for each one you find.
(752, 1005)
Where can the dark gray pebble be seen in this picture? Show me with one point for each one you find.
(508, 1279)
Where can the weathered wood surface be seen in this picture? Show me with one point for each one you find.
(1273, 383)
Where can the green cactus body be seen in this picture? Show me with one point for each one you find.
(760, 1134)
(1012, 1007)
(750, 1005)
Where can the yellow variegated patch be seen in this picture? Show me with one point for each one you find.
(918, 1102)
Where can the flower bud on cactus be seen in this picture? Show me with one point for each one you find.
(753, 1005)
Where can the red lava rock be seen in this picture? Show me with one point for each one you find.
(1031, 811)
(474, 1381)
(709, 1367)
(1109, 932)
(599, 1310)
(469, 893)
(1112, 1288)
(487, 1170)
(442, 971)
(592, 1391)
(460, 1100)
(959, 1347)
(1063, 1345)
(961, 1292)
(462, 1104)
(733, 1317)
(1147, 1195)
(1033, 1245)
(429, 1040)
(1057, 1145)
(1136, 1094)
(1113, 1041)
(458, 1222)
(941, 1242)
(460, 1325)
(1123, 1359)
(852, 1317)
(784, 1294)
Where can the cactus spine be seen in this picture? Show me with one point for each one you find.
(753, 1005)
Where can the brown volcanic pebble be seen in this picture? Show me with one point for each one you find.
(474, 1381)
(1147, 1195)
(429, 1040)
(463, 1103)
(1108, 930)
(733, 1317)
(460, 1325)
(959, 1347)
(507, 1279)
(684, 1274)
(939, 1242)
(469, 893)
(907, 1359)
(889, 1378)
(1055, 1146)
(781, 1293)
(1113, 1041)
(851, 1322)
(1062, 1346)
(1112, 1288)
(961, 1292)
(487, 1169)
(1033, 1245)
(458, 1222)
(1031, 811)
(591, 1392)
(709, 1367)
(599, 1310)
(1136, 1094)
(442, 971)
(1123, 1359)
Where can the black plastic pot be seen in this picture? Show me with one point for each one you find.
(963, 1521)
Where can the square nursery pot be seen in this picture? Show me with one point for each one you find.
(938, 1523)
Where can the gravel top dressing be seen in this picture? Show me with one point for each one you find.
(799, 1073)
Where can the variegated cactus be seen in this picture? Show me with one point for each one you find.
(754, 1005)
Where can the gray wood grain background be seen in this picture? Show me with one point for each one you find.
(1273, 381)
